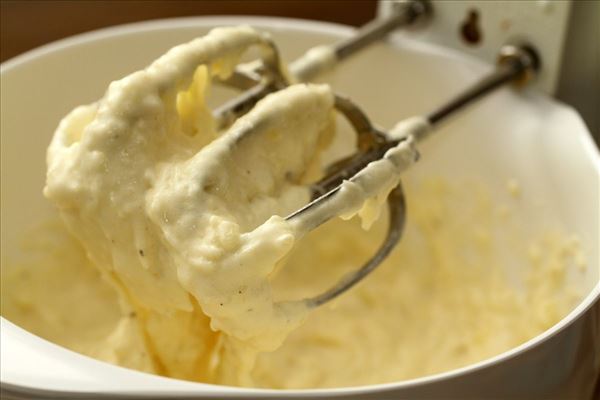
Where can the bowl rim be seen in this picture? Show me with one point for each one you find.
(340, 31)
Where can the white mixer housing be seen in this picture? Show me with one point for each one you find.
(541, 22)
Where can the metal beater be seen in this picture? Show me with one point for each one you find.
(516, 64)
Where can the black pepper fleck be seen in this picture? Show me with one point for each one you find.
(141, 252)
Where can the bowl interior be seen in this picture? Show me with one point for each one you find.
(527, 137)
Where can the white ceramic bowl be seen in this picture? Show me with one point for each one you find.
(542, 143)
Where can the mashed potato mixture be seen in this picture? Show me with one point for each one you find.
(173, 257)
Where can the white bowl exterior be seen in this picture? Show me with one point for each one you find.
(543, 144)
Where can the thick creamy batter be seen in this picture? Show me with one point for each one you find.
(175, 215)
(193, 266)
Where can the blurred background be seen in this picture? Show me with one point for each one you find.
(28, 24)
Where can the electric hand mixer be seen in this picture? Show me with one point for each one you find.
(517, 63)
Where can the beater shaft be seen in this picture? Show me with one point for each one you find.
(309, 66)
